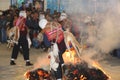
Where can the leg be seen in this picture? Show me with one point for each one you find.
(58, 73)
(60, 56)
(14, 54)
(25, 49)
(63, 67)
(15, 51)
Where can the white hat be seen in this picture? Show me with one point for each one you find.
(42, 16)
(63, 16)
(42, 23)
(22, 14)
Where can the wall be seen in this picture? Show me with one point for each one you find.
(4, 4)
(54, 5)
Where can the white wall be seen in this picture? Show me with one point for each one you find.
(4, 4)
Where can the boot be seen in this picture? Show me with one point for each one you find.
(28, 64)
(12, 62)
(64, 68)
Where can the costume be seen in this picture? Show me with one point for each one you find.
(53, 36)
(20, 40)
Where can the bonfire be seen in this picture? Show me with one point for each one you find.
(79, 71)
(75, 68)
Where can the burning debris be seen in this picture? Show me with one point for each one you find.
(79, 71)
(38, 74)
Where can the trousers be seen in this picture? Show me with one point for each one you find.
(22, 42)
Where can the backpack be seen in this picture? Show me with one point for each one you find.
(54, 31)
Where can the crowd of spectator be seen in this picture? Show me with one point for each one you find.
(34, 15)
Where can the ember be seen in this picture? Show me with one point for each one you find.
(38, 74)
(79, 71)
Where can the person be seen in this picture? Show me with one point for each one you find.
(22, 7)
(53, 37)
(3, 23)
(21, 40)
(65, 21)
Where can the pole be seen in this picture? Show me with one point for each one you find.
(95, 7)
(59, 1)
(11, 2)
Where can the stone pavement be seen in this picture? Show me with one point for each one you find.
(111, 65)
(8, 72)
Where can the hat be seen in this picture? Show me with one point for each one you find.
(63, 16)
(22, 14)
(42, 23)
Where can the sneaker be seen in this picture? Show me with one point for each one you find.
(28, 64)
(12, 63)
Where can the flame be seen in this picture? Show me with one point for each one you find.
(43, 74)
(82, 77)
(97, 65)
(69, 55)
(27, 75)
(40, 73)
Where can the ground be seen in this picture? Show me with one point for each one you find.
(110, 65)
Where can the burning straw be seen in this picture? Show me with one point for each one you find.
(37, 74)
(79, 71)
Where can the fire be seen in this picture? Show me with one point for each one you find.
(82, 77)
(27, 74)
(69, 56)
(38, 74)
(97, 65)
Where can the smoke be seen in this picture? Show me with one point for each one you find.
(42, 62)
(97, 22)
(104, 34)
(108, 34)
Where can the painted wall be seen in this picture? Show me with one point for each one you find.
(54, 5)
(4, 4)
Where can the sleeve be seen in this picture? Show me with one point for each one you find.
(46, 41)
